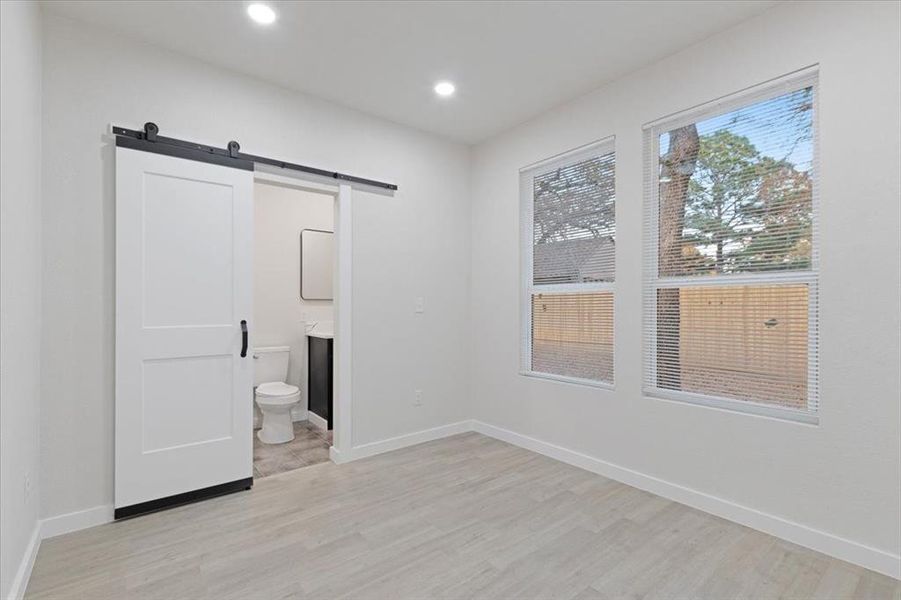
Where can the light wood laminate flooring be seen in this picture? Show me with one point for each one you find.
(463, 517)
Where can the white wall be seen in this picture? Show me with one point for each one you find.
(841, 477)
(402, 250)
(413, 244)
(280, 214)
(20, 281)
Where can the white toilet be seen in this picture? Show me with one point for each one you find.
(274, 397)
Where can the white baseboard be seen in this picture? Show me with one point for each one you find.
(23, 573)
(317, 421)
(409, 439)
(335, 455)
(821, 541)
(76, 521)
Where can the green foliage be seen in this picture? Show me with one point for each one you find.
(745, 211)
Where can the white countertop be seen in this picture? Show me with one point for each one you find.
(321, 329)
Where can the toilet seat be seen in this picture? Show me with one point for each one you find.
(277, 392)
(276, 399)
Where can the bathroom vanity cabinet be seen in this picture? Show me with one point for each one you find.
(320, 369)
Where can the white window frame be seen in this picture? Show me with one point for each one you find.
(528, 288)
(803, 78)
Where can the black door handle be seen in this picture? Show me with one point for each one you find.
(243, 338)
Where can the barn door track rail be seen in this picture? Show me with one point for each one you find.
(149, 140)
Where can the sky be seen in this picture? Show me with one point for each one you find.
(774, 127)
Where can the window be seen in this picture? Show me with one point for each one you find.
(569, 231)
(731, 253)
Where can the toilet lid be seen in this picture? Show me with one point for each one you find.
(276, 389)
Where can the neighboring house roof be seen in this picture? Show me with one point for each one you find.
(574, 261)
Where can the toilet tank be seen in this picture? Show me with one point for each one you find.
(270, 364)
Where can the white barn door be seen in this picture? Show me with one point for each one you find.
(184, 392)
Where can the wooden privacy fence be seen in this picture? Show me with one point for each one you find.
(729, 336)
(573, 318)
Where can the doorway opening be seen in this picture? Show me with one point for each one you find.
(294, 337)
(185, 328)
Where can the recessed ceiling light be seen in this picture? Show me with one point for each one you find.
(445, 88)
(261, 13)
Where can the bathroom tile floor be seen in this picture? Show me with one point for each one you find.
(309, 447)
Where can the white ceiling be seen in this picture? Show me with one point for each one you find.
(510, 60)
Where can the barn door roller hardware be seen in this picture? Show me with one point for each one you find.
(149, 140)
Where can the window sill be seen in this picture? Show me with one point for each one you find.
(736, 406)
(604, 385)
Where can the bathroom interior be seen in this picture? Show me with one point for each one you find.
(293, 327)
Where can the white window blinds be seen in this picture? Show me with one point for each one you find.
(569, 231)
(730, 315)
